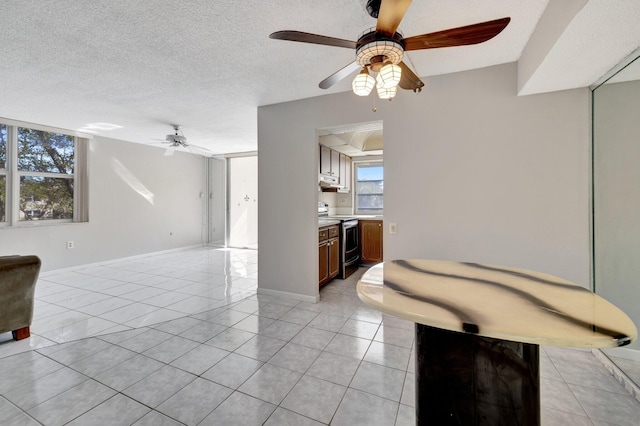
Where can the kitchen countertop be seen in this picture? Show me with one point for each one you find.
(327, 222)
(357, 216)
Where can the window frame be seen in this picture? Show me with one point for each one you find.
(13, 176)
(356, 172)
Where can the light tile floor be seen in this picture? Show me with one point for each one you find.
(183, 338)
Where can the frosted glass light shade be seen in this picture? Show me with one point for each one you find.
(363, 83)
(386, 93)
(389, 76)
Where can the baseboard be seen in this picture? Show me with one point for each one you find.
(626, 353)
(120, 259)
(287, 295)
(617, 373)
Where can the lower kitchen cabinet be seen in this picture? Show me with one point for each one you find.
(328, 254)
(370, 240)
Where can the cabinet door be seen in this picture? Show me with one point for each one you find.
(343, 169)
(371, 240)
(334, 257)
(347, 174)
(323, 262)
(335, 163)
(325, 160)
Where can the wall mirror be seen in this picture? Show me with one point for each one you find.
(616, 199)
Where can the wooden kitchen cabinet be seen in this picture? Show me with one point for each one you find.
(345, 172)
(370, 240)
(334, 257)
(323, 265)
(325, 160)
(328, 254)
(337, 165)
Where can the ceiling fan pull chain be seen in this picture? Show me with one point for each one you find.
(374, 109)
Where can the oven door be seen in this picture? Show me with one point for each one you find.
(350, 248)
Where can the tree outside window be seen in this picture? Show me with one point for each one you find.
(46, 170)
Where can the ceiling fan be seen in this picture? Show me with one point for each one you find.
(177, 140)
(381, 49)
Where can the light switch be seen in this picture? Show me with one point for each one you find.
(393, 229)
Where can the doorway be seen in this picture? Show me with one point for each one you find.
(242, 201)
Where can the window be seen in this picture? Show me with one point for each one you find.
(3, 172)
(369, 188)
(38, 176)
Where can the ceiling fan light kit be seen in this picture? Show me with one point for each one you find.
(381, 49)
(363, 83)
(389, 93)
(389, 76)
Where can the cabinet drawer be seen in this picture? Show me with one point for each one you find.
(323, 234)
(334, 231)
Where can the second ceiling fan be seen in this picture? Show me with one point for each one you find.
(381, 50)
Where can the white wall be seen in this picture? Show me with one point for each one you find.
(472, 172)
(122, 222)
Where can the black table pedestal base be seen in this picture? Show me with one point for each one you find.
(465, 379)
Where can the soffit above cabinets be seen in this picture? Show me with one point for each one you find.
(354, 140)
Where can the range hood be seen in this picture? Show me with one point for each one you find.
(330, 184)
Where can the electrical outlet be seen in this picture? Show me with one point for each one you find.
(69, 245)
(393, 229)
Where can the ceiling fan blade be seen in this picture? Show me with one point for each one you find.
(199, 150)
(409, 80)
(170, 151)
(312, 38)
(390, 14)
(461, 36)
(339, 75)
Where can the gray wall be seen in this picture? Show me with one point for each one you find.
(472, 172)
(617, 197)
(122, 221)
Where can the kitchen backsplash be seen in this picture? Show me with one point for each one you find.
(339, 203)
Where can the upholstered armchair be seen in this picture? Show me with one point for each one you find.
(18, 276)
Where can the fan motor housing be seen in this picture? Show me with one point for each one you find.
(374, 49)
(373, 8)
(176, 139)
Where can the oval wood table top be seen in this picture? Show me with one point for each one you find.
(496, 301)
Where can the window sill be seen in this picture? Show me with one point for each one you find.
(38, 224)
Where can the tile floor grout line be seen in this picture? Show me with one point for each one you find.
(340, 300)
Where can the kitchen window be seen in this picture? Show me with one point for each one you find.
(41, 177)
(369, 188)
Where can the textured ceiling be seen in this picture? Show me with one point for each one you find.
(208, 65)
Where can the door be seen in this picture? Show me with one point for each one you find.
(325, 160)
(371, 232)
(335, 163)
(323, 265)
(334, 257)
(243, 201)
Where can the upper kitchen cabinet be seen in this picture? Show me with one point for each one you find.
(329, 162)
(335, 170)
(345, 172)
(325, 161)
